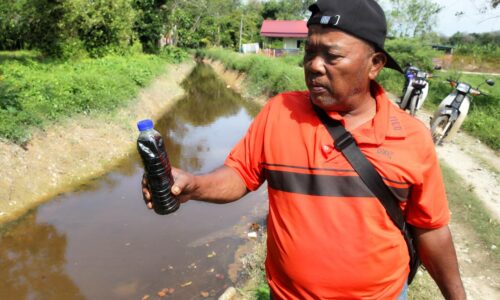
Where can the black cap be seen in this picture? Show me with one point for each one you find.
(364, 19)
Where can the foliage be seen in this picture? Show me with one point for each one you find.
(102, 26)
(411, 18)
(411, 51)
(266, 75)
(483, 47)
(12, 27)
(212, 23)
(150, 23)
(65, 29)
(173, 54)
(475, 38)
(405, 51)
(46, 30)
(285, 9)
(35, 91)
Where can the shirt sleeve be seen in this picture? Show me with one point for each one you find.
(248, 154)
(428, 206)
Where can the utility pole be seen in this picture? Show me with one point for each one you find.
(241, 31)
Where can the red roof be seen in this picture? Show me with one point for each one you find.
(279, 28)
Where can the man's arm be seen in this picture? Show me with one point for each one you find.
(436, 250)
(222, 185)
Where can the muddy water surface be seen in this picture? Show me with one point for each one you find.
(100, 242)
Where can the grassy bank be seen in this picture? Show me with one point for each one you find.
(35, 92)
(265, 75)
(464, 203)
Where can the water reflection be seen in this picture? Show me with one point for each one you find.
(100, 242)
(207, 100)
(32, 260)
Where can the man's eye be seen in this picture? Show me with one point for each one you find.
(333, 56)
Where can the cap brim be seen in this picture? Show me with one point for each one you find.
(391, 62)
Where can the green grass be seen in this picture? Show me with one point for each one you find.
(470, 210)
(266, 75)
(35, 92)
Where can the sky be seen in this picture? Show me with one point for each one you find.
(471, 21)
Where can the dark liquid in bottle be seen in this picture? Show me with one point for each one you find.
(158, 172)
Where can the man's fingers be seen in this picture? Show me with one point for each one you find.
(176, 190)
(146, 195)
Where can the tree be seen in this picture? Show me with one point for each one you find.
(411, 18)
(12, 25)
(46, 30)
(286, 9)
(102, 26)
(152, 16)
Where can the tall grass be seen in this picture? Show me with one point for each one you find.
(35, 92)
(266, 75)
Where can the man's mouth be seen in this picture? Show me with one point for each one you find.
(318, 89)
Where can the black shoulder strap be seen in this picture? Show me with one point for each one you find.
(345, 143)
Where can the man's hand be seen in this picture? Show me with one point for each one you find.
(222, 185)
(183, 187)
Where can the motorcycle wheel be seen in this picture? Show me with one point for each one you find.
(439, 127)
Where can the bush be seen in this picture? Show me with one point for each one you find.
(411, 51)
(266, 75)
(173, 54)
(35, 92)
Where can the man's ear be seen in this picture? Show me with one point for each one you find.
(378, 61)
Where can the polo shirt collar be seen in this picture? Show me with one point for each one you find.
(385, 124)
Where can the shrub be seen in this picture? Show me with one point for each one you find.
(35, 92)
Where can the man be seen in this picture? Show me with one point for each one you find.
(328, 236)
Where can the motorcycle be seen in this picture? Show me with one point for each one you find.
(452, 110)
(416, 90)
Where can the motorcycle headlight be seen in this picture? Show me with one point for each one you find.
(463, 87)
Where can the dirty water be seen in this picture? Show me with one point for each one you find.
(100, 241)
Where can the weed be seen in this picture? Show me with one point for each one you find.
(36, 92)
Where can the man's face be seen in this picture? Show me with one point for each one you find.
(337, 68)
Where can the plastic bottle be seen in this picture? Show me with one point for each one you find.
(157, 168)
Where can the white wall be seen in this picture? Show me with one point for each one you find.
(290, 43)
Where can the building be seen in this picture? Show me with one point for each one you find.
(291, 32)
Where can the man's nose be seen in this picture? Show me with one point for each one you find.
(317, 65)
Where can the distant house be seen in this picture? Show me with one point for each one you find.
(291, 32)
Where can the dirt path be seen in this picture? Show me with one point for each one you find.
(80, 149)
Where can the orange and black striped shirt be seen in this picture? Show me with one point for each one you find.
(328, 236)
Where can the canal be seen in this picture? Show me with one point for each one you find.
(101, 242)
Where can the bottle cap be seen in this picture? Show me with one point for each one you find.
(145, 124)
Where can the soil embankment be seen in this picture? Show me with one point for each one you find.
(68, 154)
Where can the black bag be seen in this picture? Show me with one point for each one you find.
(345, 143)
